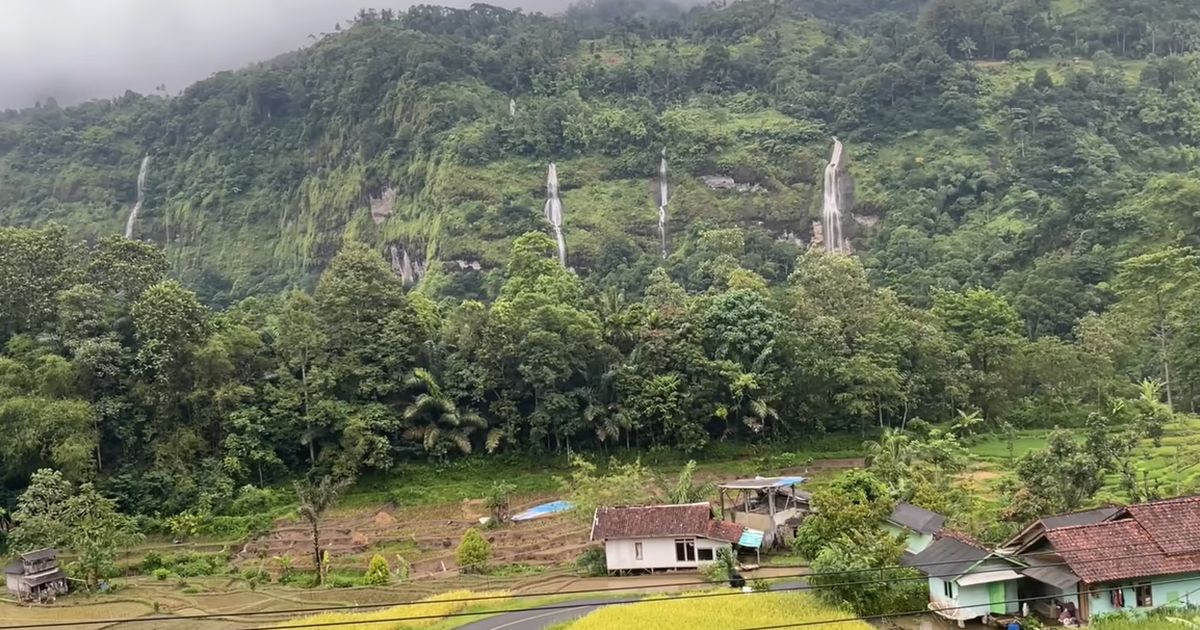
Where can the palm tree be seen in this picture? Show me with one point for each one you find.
(315, 499)
(435, 420)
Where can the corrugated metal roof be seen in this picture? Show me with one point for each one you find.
(1079, 518)
(751, 539)
(917, 519)
(762, 483)
(40, 554)
(949, 557)
(987, 577)
(1054, 576)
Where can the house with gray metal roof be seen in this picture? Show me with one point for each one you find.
(966, 579)
(36, 576)
(916, 524)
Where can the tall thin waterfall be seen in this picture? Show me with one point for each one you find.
(512, 107)
(554, 212)
(831, 208)
(662, 203)
(141, 195)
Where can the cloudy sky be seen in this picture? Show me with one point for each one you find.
(74, 50)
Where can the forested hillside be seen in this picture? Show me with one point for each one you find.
(1026, 208)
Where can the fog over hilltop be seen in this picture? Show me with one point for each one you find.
(74, 50)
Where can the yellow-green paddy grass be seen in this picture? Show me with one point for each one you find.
(433, 611)
(718, 613)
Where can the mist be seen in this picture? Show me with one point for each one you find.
(75, 50)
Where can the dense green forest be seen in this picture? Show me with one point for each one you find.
(1026, 212)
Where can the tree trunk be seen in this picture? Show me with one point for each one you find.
(316, 537)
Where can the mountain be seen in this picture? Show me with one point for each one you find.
(1003, 143)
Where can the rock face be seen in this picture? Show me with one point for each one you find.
(383, 206)
(724, 182)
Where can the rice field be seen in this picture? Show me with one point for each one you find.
(426, 613)
(717, 613)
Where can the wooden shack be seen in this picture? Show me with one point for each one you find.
(36, 576)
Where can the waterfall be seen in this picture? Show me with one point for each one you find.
(512, 107)
(662, 203)
(554, 212)
(831, 208)
(141, 195)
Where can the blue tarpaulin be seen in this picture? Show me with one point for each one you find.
(751, 539)
(545, 509)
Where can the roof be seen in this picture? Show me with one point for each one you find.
(1055, 576)
(917, 519)
(994, 575)
(14, 568)
(1087, 517)
(751, 539)
(763, 483)
(45, 578)
(1117, 550)
(1172, 523)
(949, 555)
(654, 521)
(40, 554)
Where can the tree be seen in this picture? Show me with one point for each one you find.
(497, 500)
(1157, 288)
(52, 512)
(685, 489)
(315, 499)
(473, 553)
(435, 420)
(852, 508)
(622, 485)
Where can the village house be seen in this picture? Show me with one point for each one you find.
(36, 576)
(770, 505)
(1138, 557)
(657, 537)
(916, 524)
(966, 579)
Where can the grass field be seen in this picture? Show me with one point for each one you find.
(735, 611)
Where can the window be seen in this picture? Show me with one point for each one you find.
(637, 550)
(685, 550)
(1141, 593)
(705, 555)
(948, 589)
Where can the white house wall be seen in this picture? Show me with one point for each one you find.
(657, 553)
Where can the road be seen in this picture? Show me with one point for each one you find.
(538, 619)
(568, 610)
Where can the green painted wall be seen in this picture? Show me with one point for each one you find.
(1167, 590)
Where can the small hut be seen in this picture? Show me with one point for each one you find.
(771, 505)
(35, 576)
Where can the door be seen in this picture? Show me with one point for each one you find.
(996, 597)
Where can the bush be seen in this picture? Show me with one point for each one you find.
(722, 568)
(151, 562)
(592, 562)
(161, 574)
(377, 572)
(473, 552)
(341, 581)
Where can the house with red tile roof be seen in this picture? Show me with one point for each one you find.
(1137, 557)
(657, 537)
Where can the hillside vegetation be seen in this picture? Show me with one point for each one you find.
(1024, 230)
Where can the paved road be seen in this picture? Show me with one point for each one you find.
(568, 610)
(538, 619)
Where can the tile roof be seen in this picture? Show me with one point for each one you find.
(655, 521)
(1174, 524)
(917, 519)
(1120, 550)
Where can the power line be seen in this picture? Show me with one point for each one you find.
(879, 570)
(330, 624)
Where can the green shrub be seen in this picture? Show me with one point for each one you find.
(151, 562)
(473, 552)
(255, 575)
(342, 581)
(592, 562)
(161, 574)
(378, 573)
